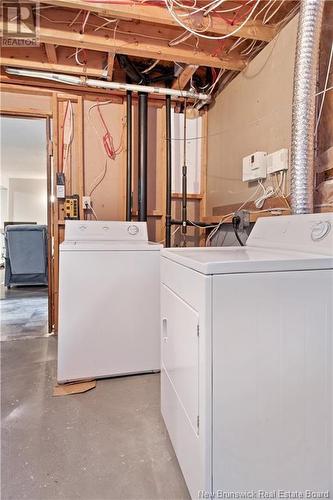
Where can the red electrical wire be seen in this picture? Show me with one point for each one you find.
(107, 138)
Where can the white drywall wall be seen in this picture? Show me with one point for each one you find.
(253, 113)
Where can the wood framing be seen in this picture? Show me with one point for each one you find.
(184, 77)
(129, 42)
(51, 53)
(255, 30)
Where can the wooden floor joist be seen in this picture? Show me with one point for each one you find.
(255, 30)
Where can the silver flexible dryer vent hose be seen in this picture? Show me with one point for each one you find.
(303, 114)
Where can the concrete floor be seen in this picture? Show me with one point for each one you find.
(23, 311)
(109, 443)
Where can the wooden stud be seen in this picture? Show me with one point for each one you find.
(122, 177)
(55, 113)
(79, 161)
(204, 164)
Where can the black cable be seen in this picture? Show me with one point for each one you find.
(235, 224)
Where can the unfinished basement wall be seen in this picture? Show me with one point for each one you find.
(252, 114)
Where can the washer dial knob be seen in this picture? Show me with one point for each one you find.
(133, 229)
(320, 230)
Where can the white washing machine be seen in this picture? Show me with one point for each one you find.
(246, 381)
(109, 301)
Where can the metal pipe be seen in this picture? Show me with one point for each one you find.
(303, 114)
(143, 148)
(168, 173)
(75, 80)
(175, 222)
(184, 181)
(129, 155)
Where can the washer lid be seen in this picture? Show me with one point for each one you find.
(108, 246)
(227, 260)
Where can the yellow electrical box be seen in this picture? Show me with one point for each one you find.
(71, 207)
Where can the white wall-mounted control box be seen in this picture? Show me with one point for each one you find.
(254, 166)
(277, 161)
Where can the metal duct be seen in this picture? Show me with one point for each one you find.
(303, 114)
(143, 158)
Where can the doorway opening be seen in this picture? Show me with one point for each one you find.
(25, 227)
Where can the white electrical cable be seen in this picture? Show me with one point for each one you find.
(152, 66)
(325, 89)
(209, 37)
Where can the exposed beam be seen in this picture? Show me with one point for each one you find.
(184, 77)
(35, 58)
(159, 15)
(134, 43)
(51, 53)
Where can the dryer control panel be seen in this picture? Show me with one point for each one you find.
(305, 233)
(84, 230)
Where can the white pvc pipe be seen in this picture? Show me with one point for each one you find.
(76, 80)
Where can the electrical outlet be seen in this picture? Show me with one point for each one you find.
(254, 166)
(86, 202)
(244, 216)
(278, 161)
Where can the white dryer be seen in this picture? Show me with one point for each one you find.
(246, 375)
(109, 300)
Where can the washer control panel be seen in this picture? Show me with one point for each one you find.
(85, 230)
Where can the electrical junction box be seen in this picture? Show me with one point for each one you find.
(278, 161)
(71, 207)
(254, 166)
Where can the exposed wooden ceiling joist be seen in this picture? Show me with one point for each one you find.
(159, 15)
(129, 43)
(35, 58)
(184, 77)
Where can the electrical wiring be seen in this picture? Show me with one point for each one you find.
(107, 139)
(172, 234)
(267, 193)
(325, 90)
(74, 20)
(180, 38)
(212, 87)
(93, 212)
(77, 58)
(268, 10)
(266, 5)
(217, 227)
(267, 19)
(99, 179)
(235, 224)
(67, 135)
(152, 66)
(131, 33)
(169, 6)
